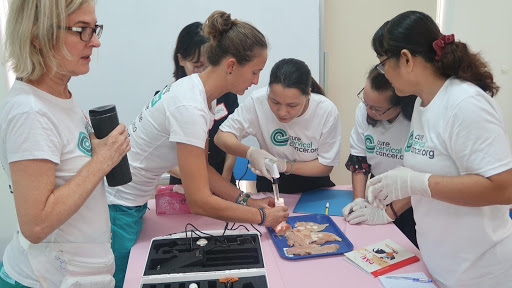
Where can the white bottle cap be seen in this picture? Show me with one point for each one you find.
(178, 188)
(201, 242)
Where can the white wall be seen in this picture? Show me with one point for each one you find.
(348, 29)
(135, 58)
(485, 27)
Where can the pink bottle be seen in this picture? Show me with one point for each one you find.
(170, 199)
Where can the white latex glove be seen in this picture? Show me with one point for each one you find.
(365, 213)
(397, 184)
(257, 158)
(350, 206)
(281, 165)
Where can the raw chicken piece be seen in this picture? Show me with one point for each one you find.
(311, 226)
(312, 249)
(298, 237)
(322, 237)
(282, 228)
(302, 237)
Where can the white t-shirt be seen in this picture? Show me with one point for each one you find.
(382, 145)
(461, 132)
(179, 113)
(315, 134)
(37, 125)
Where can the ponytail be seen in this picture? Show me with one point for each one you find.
(458, 61)
(316, 88)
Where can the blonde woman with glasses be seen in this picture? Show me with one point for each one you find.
(54, 163)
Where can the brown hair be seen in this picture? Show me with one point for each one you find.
(379, 82)
(294, 73)
(416, 32)
(231, 37)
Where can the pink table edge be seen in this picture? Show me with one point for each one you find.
(310, 272)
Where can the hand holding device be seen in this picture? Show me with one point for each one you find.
(271, 167)
(257, 158)
(276, 215)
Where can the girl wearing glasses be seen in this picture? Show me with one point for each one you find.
(458, 157)
(376, 146)
(188, 60)
(172, 130)
(55, 165)
(294, 124)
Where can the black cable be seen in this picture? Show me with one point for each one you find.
(204, 233)
(241, 226)
(243, 175)
(257, 230)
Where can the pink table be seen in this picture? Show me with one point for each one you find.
(329, 271)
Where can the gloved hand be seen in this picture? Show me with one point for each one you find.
(281, 165)
(365, 213)
(350, 206)
(396, 184)
(257, 158)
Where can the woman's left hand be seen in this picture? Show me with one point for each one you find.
(365, 213)
(267, 202)
(397, 184)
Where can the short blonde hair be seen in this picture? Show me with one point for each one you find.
(36, 21)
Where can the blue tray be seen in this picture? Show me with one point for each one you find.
(281, 242)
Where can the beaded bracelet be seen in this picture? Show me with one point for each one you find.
(263, 216)
(242, 198)
(239, 197)
(291, 168)
(393, 210)
(245, 199)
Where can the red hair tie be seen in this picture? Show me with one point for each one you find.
(440, 44)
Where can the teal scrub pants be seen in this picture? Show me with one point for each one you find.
(126, 223)
(6, 281)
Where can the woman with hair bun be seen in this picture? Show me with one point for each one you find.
(458, 156)
(188, 59)
(172, 130)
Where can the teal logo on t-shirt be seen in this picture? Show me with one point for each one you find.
(156, 98)
(417, 144)
(409, 142)
(370, 143)
(279, 137)
(84, 144)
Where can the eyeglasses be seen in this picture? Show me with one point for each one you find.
(371, 109)
(380, 66)
(86, 32)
